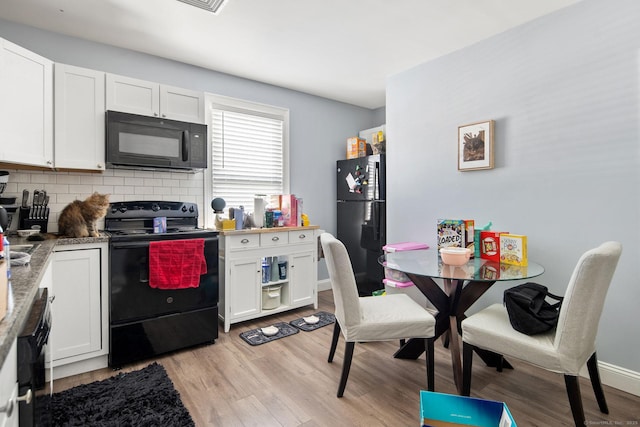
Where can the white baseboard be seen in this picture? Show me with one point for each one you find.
(617, 377)
(324, 285)
(611, 375)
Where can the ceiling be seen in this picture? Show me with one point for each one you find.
(338, 49)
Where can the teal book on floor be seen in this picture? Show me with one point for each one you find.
(439, 410)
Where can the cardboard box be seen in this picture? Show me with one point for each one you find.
(4, 289)
(356, 147)
(513, 249)
(450, 233)
(469, 225)
(289, 209)
(448, 410)
(490, 245)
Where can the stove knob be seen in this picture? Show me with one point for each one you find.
(191, 209)
(122, 209)
(114, 210)
(155, 207)
(184, 208)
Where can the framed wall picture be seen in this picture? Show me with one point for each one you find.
(475, 146)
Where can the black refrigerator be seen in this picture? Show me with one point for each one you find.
(362, 217)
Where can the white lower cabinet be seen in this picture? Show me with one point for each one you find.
(80, 318)
(244, 295)
(9, 389)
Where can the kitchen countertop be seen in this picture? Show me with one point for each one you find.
(25, 281)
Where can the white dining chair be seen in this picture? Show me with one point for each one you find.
(375, 318)
(564, 349)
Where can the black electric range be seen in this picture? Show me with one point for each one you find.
(146, 321)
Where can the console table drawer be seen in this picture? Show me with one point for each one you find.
(244, 241)
(268, 240)
(301, 236)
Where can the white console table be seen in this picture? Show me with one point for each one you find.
(241, 255)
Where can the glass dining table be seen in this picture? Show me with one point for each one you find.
(461, 287)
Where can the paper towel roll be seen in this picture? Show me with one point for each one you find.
(258, 211)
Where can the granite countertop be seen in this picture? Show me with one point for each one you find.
(25, 281)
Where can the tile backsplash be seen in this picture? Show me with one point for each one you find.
(121, 184)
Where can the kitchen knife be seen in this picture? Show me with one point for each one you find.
(44, 206)
(34, 201)
(25, 198)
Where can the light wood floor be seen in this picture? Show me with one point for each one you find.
(288, 382)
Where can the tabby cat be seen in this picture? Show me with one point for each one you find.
(78, 218)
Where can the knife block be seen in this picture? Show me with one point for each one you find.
(26, 223)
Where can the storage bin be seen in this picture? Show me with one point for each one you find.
(408, 288)
(271, 297)
(396, 275)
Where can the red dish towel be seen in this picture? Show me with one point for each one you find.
(176, 264)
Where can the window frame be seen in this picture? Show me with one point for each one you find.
(246, 107)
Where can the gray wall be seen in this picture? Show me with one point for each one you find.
(318, 127)
(564, 93)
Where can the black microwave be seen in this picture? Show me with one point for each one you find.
(135, 141)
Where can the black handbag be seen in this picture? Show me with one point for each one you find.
(529, 312)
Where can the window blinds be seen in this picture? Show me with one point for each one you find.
(247, 156)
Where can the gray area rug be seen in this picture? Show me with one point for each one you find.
(325, 319)
(145, 397)
(256, 337)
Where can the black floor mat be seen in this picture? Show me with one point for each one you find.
(325, 319)
(256, 337)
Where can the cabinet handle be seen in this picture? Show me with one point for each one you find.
(52, 298)
(244, 241)
(302, 236)
(8, 408)
(26, 398)
(275, 238)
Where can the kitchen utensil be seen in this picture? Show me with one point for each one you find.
(25, 198)
(28, 232)
(45, 206)
(34, 201)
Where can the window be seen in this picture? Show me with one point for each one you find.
(249, 150)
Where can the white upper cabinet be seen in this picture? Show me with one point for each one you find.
(153, 99)
(26, 106)
(79, 118)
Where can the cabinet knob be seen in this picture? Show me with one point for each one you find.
(164, 115)
(49, 162)
(275, 238)
(244, 241)
(155, 114)
(100, 166)
(302, 236)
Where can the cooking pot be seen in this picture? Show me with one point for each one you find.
(4, 218)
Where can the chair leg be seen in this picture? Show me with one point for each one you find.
(594, 375)
(348, 355)
(402, 342)
(575, 399)
(428, 351)
(500, 363)
(334, 341)
(467, 361)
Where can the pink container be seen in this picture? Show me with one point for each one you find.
(405, 246)
(396, 275)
